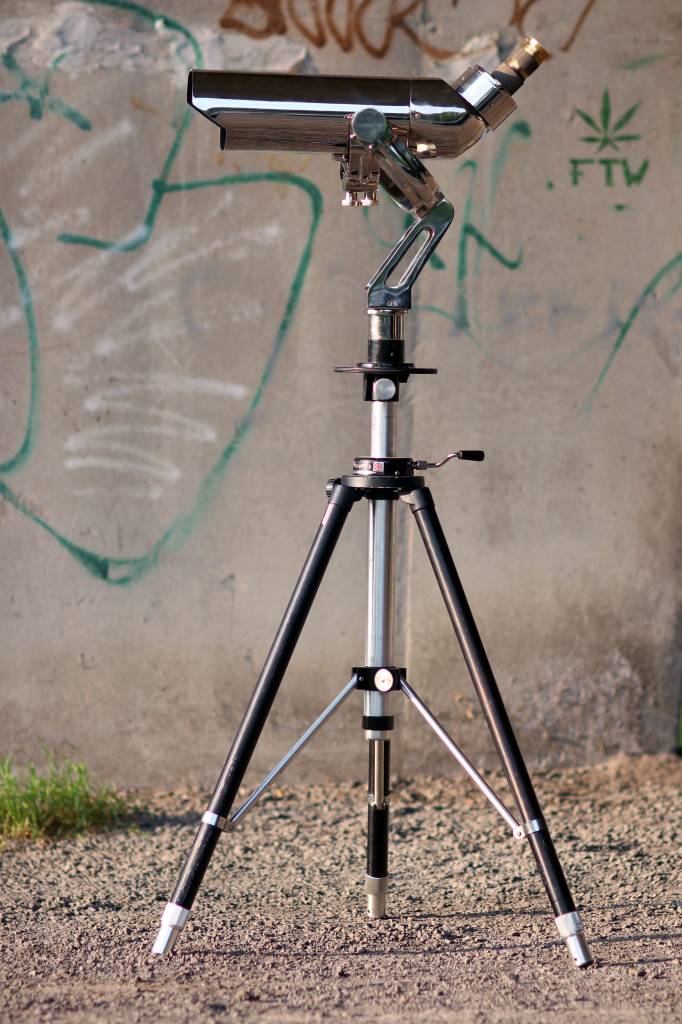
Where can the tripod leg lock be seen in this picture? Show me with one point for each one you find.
(173, 921)
(209, 818)
(572, 931)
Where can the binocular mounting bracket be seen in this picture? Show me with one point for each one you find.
(377, 154)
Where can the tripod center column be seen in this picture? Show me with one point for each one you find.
(379, 641)
(386, 347)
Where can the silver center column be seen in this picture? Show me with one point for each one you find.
(379, 642)
(379, 647)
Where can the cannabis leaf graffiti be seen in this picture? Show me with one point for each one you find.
(608, 135)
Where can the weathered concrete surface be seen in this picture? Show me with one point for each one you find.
(168, 416)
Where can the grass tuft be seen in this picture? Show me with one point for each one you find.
(58, 801)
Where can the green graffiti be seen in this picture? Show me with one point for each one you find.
(672, 269)
(127, 570)
(640, 62)
(576, 173)
(35, 92)
(469, 233)
(634, 177)
(464, 317)
(630, 177)
(26, 446)
(473, 244)
(143, 230)
(608, 134)
(518, 131)
(117, 570)
(607, 163)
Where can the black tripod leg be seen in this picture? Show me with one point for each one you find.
(376, 880)
(215, 819)
(567, 918)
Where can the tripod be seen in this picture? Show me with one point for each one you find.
(382, 479)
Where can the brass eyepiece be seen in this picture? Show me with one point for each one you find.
(522, 62)
(527, 57)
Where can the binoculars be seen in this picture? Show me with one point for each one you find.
(313, 113)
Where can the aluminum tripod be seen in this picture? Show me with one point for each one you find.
(383, 479)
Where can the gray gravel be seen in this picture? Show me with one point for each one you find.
(279, 931)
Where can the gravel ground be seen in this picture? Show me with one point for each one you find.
(279, 932)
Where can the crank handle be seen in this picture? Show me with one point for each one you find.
(468, 456)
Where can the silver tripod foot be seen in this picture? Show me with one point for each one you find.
(376, 896)
(172, 922)
(571, 930)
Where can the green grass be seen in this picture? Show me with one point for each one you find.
(57, 801)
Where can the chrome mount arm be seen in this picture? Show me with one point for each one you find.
(415, 190)
(383, 295)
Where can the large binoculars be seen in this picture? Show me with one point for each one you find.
(313, 113)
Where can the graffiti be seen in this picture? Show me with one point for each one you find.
(630, 176)
(522, 7)
(345, 22)
(118, 570)
(26, 444)
(35, 92)
(608, 135)
(260, 19)
(670, 274)
(473, 242)
(474, 245)
(271, 10)
(640, 62)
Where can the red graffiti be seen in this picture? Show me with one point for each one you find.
(345, 21)
(259, 19)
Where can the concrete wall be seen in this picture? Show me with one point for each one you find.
(169, 317)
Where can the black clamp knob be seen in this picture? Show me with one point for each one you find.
(381, 678)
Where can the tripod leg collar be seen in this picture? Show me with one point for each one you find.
(172, 922)
(571, 930)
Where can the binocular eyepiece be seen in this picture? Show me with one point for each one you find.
(312, 113)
